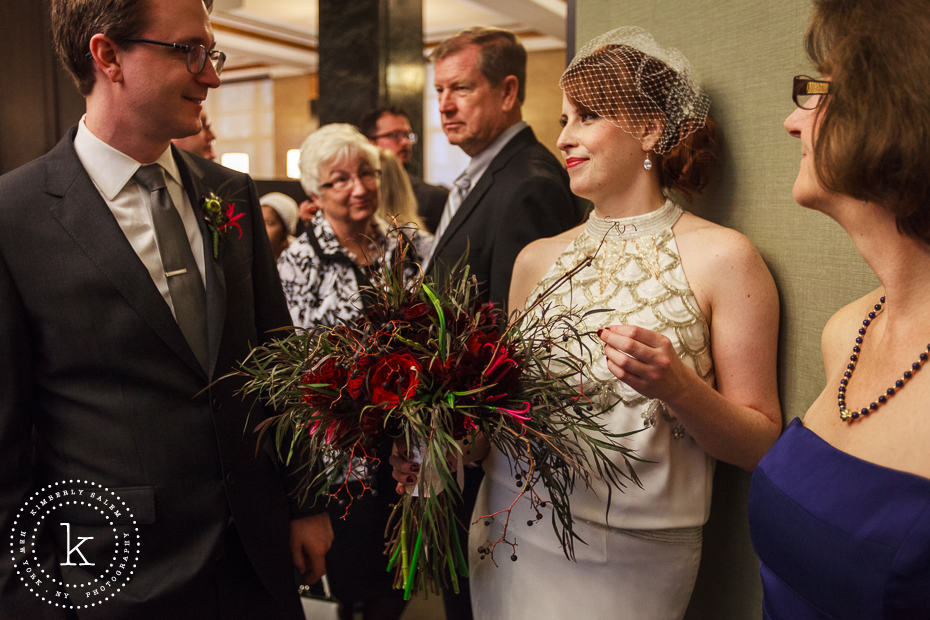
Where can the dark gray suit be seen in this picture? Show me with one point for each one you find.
(430, 201)
(97, 382)
(521, 197)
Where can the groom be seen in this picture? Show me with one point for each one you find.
(121, 302)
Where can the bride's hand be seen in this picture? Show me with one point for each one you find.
(406, 472)
(646, 361)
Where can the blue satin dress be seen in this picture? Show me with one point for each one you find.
(839, 537)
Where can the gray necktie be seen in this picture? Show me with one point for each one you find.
(184, 284)
(460, 188)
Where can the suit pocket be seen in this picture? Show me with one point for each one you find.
(114, 507)
(140, 501)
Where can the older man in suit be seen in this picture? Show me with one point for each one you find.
(513, 190)
(121, 299)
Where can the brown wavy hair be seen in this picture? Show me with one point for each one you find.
(873, 139)
(687, 167)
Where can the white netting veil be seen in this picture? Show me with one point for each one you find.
(627, 78)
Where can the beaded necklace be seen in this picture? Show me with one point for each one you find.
(847, 415)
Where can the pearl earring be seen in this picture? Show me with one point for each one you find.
(647, 164)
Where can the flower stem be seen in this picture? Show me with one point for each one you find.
(413, 564)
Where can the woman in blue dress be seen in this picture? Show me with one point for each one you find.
(840, 506)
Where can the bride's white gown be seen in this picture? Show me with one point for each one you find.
(643, 550)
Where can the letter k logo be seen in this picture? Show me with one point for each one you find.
(75, 549)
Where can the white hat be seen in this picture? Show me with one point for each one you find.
(285, 207)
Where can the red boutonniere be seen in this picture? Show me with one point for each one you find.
(220, 220)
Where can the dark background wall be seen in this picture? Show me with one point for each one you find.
(38, 101)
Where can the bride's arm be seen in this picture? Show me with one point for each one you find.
(740, 420)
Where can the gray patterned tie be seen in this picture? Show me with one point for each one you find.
(460, 188)
(184, 284)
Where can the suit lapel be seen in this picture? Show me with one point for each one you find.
(82, 212)
(193, 178)
(477, 193)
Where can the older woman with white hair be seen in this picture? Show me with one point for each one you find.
(322, 273)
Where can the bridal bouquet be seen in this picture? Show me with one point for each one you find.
(430, 367)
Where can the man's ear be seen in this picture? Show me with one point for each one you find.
(510, 86)
(652, 131)
(105, 54)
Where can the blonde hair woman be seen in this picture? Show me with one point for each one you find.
(398, 202)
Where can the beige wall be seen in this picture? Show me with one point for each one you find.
(543, 103)
(293, 122)
(745, 54)
(292, 119)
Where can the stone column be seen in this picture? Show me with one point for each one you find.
(371, 55)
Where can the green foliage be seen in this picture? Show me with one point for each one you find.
(430, 368)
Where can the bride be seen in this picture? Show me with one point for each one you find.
(690, 338)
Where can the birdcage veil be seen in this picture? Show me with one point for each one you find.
(626, 77)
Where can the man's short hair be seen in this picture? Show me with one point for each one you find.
(501, 54)
(74, 22)
(369, 122)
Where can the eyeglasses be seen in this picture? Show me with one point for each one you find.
(398, 135)
(197, 55)
(342, 182)
(805, 89)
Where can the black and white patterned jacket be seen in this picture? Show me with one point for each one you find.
(320, 279)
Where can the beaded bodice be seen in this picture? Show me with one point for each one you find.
(635, 277)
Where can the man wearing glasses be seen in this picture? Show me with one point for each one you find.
(389, 129)
(122, 300)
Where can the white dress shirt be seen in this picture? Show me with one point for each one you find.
(480, 162)
(473, 172)
(111, 172)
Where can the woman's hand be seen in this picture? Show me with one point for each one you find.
(406, 472)
(646, 361)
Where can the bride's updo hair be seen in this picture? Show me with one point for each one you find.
(625, 77)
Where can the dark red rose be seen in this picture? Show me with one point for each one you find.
(330, 373)
(394, 378)
(476, 341)
(489, 315)
(371, 422)
(358, 376)
(328, 377)
(414, 310)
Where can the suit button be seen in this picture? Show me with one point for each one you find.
(228, 478)
(216, 404)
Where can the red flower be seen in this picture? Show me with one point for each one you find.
(329, 373)
(477, 340)
(489, 315)
(356, 382)
(414, 310)
(395, 378)
(329, 376)
(231, 219)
